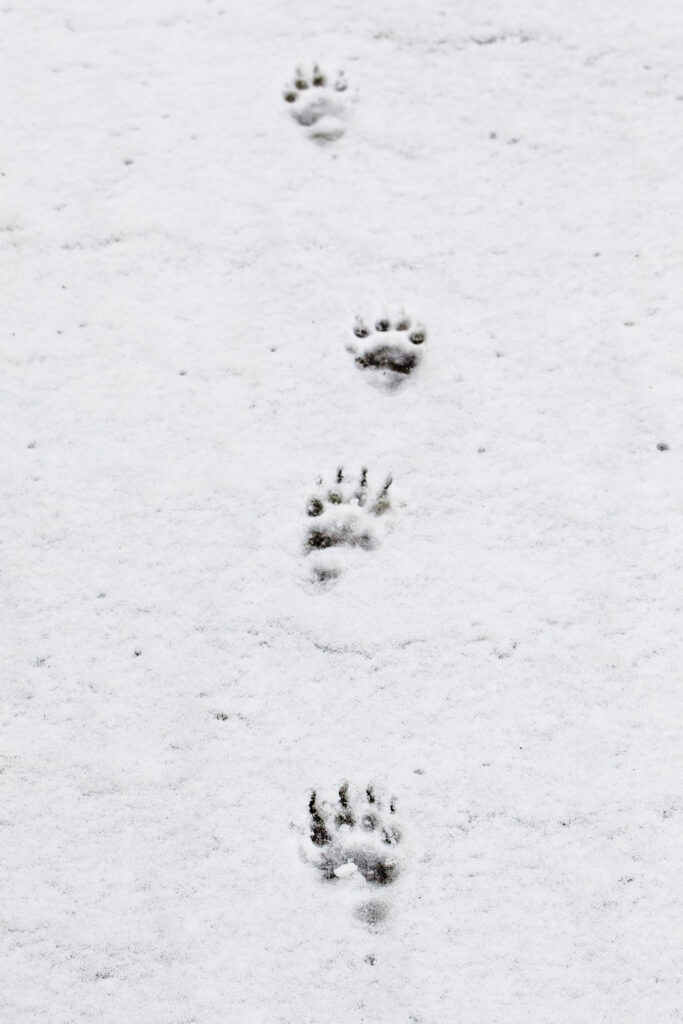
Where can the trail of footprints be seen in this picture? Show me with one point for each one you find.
(349, 511)
(354, 840)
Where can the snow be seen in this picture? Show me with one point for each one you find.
(183, 269)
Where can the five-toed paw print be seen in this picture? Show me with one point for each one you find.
(356, 837)
(391, 349)
(318, 103)
(345, 514)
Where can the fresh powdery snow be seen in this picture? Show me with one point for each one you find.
(342, 506)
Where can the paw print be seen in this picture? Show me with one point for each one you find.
(318, 103)
(345, 515)
(391, 349)
(356, 838)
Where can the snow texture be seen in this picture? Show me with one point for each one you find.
(182, 266)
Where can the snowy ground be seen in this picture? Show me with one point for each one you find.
(182, 270)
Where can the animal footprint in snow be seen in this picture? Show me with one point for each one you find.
(318, 103)
(356, 840)
(346, 515)
(391, 349)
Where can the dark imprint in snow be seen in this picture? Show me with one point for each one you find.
(356, 835)
(372, 913)
(392, 347)
(317, 102)
(345, 513)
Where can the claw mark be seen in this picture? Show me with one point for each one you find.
(319, 834)
(345, 816)
(362, 492)
(382, 503)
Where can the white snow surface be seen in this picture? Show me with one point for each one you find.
(182, 266)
